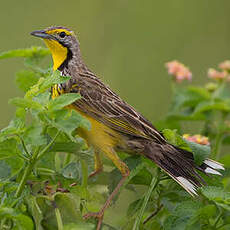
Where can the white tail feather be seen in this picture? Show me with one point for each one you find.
(212, 171)
(187, 185)
(213, 164)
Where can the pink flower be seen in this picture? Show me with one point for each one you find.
(199, 139)
(225, 65)
(179, 71)
(217, 75)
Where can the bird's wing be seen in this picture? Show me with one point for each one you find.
(101, 103)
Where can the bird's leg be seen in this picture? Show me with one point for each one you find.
(125, 173)
(98, 166)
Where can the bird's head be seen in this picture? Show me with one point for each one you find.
(61, 41)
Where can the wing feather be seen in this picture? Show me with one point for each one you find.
(100, 102)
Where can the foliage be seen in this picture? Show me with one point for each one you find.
(44, 164)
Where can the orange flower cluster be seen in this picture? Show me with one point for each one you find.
(217, 75)
(179, 71)
(220, 75)
(225, 65)
(199, 139)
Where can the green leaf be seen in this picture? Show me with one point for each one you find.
(206, 212)
(79, 226)
(212, 105)
(22, 222)
(33, 135)
(26, 103)
(188, 97)
(35, 211)
(44, 84)
(63, 100)
(43, 98)
(182, 216)
(8, 148)
(200, 152)
(16, 126)
(5, 170)
(175, 139)
(68, 147)
(72, 171)
(218, 195)
(134, 207)
(68, 121)
(55, 78)
(25, 79)
(29, 52)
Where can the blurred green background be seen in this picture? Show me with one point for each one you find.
(126, 42)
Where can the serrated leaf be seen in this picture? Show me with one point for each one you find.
(200, 152)
(43, 98)
(26, 103)
(25, 79)
(68, 121)
(175, 139)
(68, 147)
(28, 52)
(55, 78)
(16, 126)
(62, 101)
(33, 135)
(175, 223)
(187, 208)
(218, 195)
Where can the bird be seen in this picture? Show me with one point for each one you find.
(116, 125)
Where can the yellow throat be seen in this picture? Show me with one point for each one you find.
(59, 52)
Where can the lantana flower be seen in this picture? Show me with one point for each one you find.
(179, 71)
(199, 139)
(225, 65)
(217, 75)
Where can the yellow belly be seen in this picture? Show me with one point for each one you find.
(99, 136)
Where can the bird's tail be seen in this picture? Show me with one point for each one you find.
(180, 165)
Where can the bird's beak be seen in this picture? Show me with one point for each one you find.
(41, 34)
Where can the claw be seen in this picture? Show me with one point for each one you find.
(96, 215)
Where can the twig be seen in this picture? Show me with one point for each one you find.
(153, 214)
(153, 185)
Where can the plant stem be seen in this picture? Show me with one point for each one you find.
(217, 219)
(59, 219)
(24, 146)
(153, 185)
(48, 146)
(153, 214)
(27, 172)
(35, 157)
(84, 174)
(218, 145)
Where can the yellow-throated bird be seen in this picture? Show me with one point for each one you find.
(115, 125)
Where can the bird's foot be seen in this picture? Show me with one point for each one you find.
(97, 215)
(94, 173)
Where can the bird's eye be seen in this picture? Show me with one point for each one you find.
(62, 34)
